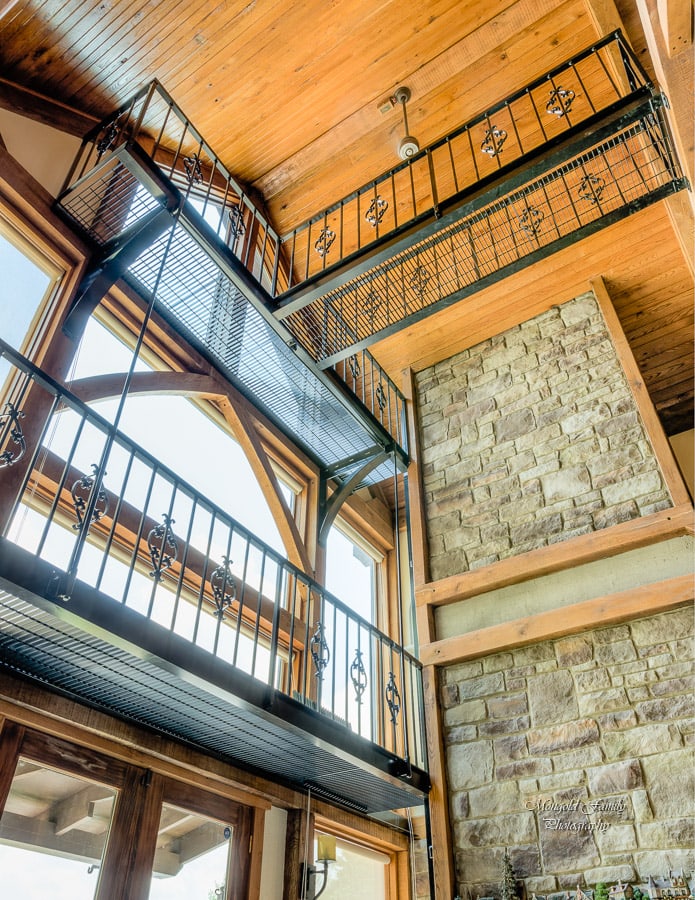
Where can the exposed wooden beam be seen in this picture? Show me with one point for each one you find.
(79, 811)
(442, 854)
(659, 526)
(25, 102)
(645, 407)
(676, 20)
(233, 408)
(600, 611)
(673, 66)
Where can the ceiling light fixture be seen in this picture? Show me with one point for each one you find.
(409, 145)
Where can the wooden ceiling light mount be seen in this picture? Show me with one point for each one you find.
(409, 145)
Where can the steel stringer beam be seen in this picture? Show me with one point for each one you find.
(108, 267)
(330, 507)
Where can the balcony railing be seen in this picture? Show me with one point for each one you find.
(536, 116)
(107, 515)
(218, 273)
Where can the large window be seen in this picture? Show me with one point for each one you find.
(27, 284)
(74, 825)
(352, 570)
(358, 873)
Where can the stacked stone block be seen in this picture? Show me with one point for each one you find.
(598, 726)
(529, 438)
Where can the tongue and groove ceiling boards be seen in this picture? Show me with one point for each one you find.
(295, 100)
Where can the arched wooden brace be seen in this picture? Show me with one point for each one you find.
(234, 409)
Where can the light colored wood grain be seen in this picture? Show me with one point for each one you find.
(609, 610)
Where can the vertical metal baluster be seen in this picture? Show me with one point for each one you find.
(184, 562)
(333, 656)
(275, 628)
(158, 140)
(178, 150)
(242, 597)
(138, 537)
(169, 518)
(433, 181)
(114, 520)
(257, 625)
(516, 130)
(537, 114)
(583, 87)
(292, 607)
(393, 200)
(412, 187)
(473, 156)
(305, 655)
(59, 488)
(453, 165)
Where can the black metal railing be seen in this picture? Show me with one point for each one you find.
(535, 116)
(114, 198)
(148, 155)
(104, 512)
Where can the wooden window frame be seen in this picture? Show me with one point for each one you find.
(126, 868)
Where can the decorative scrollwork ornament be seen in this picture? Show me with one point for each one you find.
(10, 420)
(560, 102)
(223, 587)
(393, 698)
(163, 547)
(358, 676)
(324, 241)
(320, 652)
(81, 492)
(493, 141)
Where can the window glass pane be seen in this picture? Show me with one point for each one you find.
(181, 436)
(350, 573)
(53, 833)
(22, 288)
(357, 874)
(192, 857)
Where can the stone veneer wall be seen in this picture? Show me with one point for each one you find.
(529, 438)
(603, 718)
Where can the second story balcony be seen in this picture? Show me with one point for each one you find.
(124, 587)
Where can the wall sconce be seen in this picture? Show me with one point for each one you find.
(308, 874)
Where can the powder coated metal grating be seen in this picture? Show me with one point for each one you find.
(37, 644)
(214, 314)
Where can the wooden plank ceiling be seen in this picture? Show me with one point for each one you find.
(294, 98)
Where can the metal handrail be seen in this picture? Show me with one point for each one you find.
(489, 143)
(157, 545)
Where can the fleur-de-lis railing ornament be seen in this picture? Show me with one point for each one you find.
(358, 676)
(591, 188)
(81, 492)
(354, 364)
(10, 420)
(393, 698)
(320, 652)
(324, 241)
(560, 102)
(192, 168)
(223, 587)
(531, 220)
(108, 139)
(163, 547)
(493, 141)
(418, 281)
(380, 395)
(237, 228)
(377, 210)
